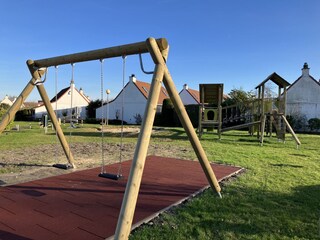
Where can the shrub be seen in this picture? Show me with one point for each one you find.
(193, 113)
(91, 108)
(297, 121)
(314, 124)
(167, 113)
(25, 115)
(138, 118)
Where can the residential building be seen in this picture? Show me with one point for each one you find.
(303, 96)
(68, 101)
(8, 100)
(189, 96)
(133, 99)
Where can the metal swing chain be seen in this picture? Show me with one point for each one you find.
(71, 105)
(122, 111)
(56, 104)
(102, 116)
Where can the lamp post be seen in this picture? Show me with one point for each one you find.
(108, 92)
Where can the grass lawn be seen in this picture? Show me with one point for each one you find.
(278, 197)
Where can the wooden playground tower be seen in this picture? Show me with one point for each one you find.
(263, 114)
(158, 49)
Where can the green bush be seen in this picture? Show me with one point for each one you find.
(167, 113)
(169, 117)
(314, 124)
(91, 108)
(25, 115)
(297, 121)
(193, 113)
(3, 109)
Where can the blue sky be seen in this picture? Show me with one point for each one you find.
(235, 42)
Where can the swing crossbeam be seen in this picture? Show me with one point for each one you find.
(104, 53)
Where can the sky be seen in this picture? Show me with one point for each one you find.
(234, 42)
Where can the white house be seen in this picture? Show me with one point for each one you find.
(134, 97)
(189, 96)
(8, 100)
(303, 96)
(68, 101)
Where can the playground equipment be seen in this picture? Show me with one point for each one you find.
(210, 111)
(158, 50)
(259, 115)
(274, 110)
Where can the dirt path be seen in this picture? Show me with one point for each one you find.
(22, 165)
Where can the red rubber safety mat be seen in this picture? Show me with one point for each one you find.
(81, 205)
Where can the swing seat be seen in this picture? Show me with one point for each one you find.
(110, 176)
(62, 166)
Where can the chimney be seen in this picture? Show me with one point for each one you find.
(72, 85)
(81, 91)
(185, 86)
(305, 69)
(133, 78)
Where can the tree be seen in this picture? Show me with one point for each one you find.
(240, 98)
(3, 109)
(91, 108)
(167, 113)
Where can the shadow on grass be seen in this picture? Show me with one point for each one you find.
(286, 165)
(24, 165)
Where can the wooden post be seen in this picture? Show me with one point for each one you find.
(9, 116)
(52, 115)
(187, 125)
(263, 125)
(291, 130)
(220, 94)
(259, 111)
(134, 180)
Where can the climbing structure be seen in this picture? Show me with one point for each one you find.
(261, 114)
(272, 111)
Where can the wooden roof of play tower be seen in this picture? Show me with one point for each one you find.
(274, 77)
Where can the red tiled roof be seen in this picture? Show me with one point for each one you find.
(195, 94)
(145, 89)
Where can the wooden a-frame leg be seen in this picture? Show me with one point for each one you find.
(134, 179)
(36, 74)
(9, 116)
(56, 125)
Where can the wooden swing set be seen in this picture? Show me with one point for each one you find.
(158, 49)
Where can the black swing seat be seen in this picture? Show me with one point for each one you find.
(110, 176)
(62, 166)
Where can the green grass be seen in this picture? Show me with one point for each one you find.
(278, 197)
